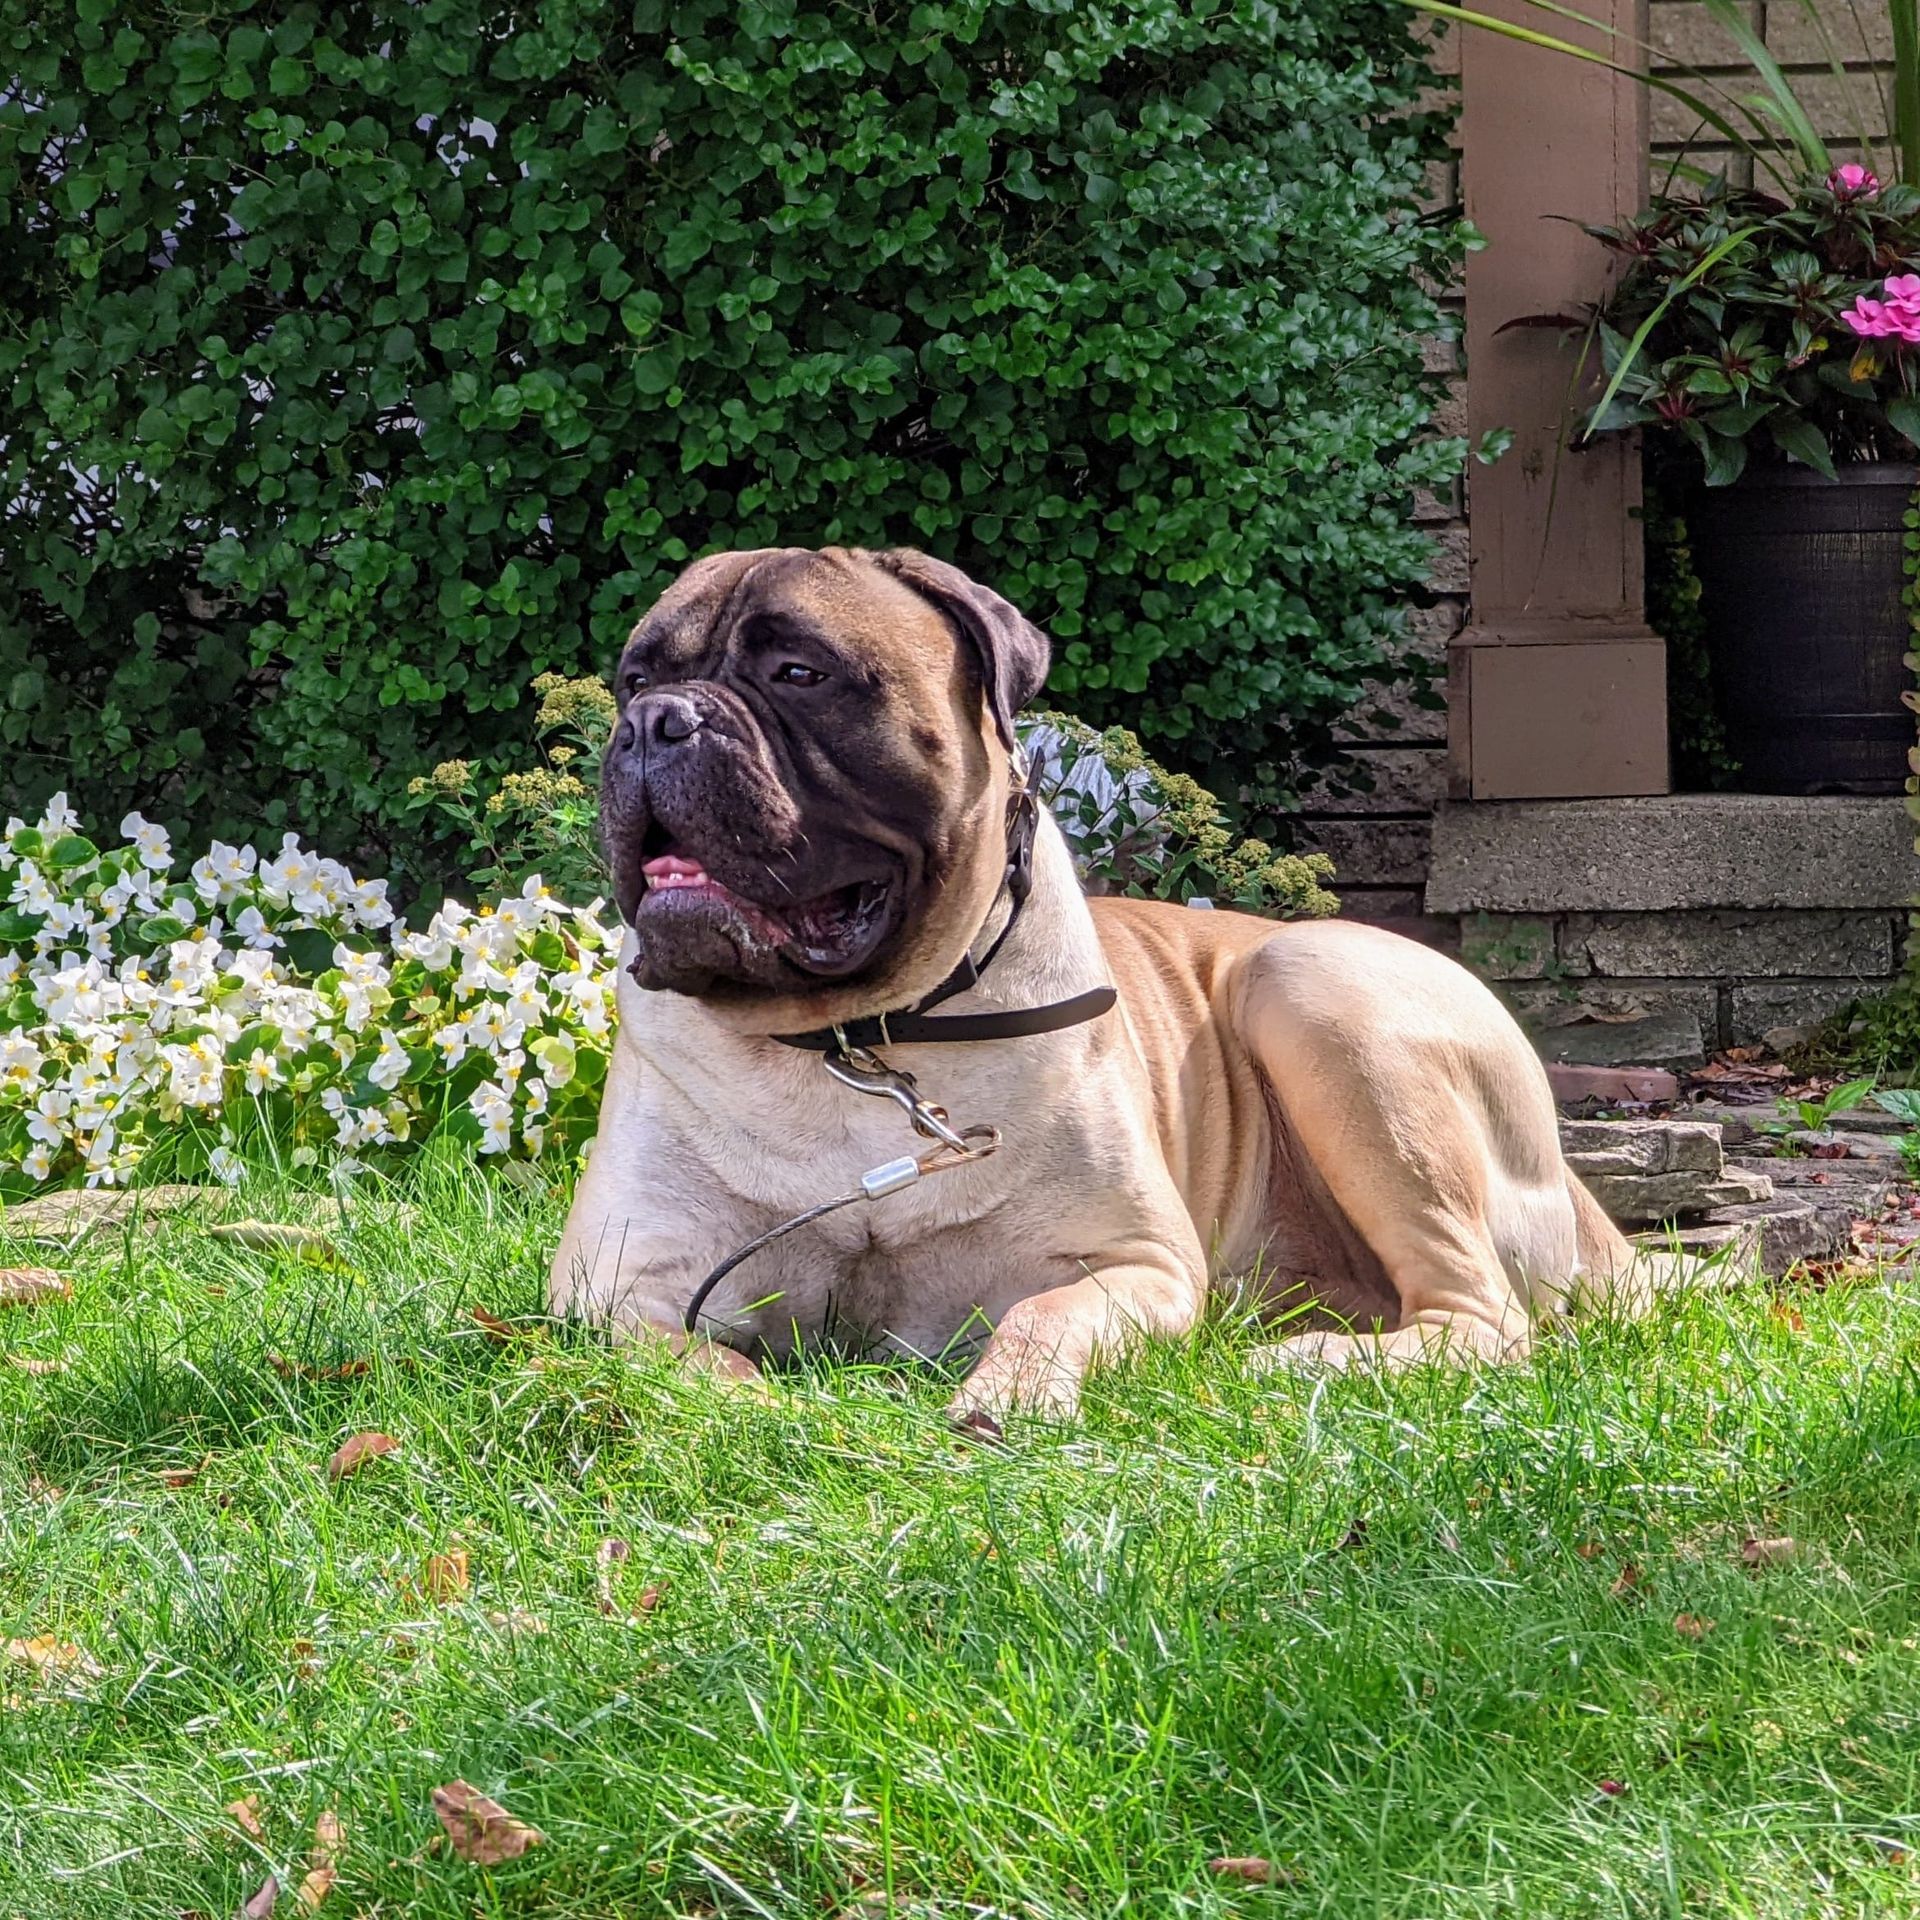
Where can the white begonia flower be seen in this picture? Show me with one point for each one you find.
(534, 1092)
(252, 930)
(492, 1106)
(30, 891)
(226, 1166)
(435, 948)
(49, 1120)
(37, 1162)
(367, 902)
(195, 1073)
(534, 1136)
(287, 872)
(261, 1072)
(149, 841)
(390, 1065)
(10, 964)
(21, 1058)
(453, 1040)
(59, 817)
(223, 872)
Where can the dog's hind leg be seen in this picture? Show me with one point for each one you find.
(1429, 1119)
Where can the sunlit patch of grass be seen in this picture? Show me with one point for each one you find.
(1379, 1632)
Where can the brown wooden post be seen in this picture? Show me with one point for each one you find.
(1557, 686)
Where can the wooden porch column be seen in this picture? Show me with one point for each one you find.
(1557, 686)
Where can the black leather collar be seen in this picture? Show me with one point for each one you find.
(918, 1025)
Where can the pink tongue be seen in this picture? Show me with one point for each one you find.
(670, 870)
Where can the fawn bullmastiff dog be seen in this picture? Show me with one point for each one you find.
(815, 814)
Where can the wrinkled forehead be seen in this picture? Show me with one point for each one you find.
(837, 594)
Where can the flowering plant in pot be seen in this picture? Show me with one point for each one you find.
(1772, 343)
(1746, 323)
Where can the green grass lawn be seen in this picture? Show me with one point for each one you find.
(1374, 1632)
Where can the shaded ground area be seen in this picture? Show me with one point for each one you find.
(1450, 1644)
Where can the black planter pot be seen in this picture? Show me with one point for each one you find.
(1801, 583)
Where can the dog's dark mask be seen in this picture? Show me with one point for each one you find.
(800, 771)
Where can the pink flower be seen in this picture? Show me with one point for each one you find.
(1895, 318)
(1853, 182)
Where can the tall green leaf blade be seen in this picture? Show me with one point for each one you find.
(1733, 21)
(1904, 17)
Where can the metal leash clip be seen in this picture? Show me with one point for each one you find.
(865, 1072)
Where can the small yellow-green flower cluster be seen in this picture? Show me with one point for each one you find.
(538, 791)
(584, 705)
(449, 777)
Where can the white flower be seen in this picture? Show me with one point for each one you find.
(390, 1066)
(261, 1072)
(221, 873)
(59, 817)
(253, 931)
(226, 1166)
(149, 841)
(30, 890)
(37, 1162)
(20, 1060)
(195, 1073)
(49, 1120)
(287, 872)
(367, 902)
(493, 1107)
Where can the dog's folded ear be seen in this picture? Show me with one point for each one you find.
(1014, 653)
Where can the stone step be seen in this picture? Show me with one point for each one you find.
(1637, 1199)
(1762, 1237)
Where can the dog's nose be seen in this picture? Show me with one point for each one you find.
(659, 720)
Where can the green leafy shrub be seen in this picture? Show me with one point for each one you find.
(366, 362)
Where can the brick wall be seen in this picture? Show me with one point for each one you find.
(1847, 108)
(1378, 835)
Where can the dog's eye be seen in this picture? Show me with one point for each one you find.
(631, 682)
(793, 673)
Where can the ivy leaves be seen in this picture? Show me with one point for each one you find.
(369, 362)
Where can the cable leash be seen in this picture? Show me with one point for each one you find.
(865, 1072)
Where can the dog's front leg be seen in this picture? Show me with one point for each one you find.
(1043, 1344)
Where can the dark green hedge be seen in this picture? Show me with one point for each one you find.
(364, 361)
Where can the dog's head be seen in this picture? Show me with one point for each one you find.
(805, 795)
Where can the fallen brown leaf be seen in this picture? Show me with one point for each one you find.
(51, 1659)
(27, 1363)
(357, 1450)
(301, 1370)
(444, 1579)
(608, 1555)
(501, 1332)
(1692, 1626)
(245, 1814)
(650, 1597)
(1631, 1581)
(28, 1286)
(481, 1830)
(178, 1477)
(264, 1900)
(1250, 1868)
(1612, 1789)
(323, 1863)
(1769, 1553)
(1589, 1549)
(1788, 1317)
